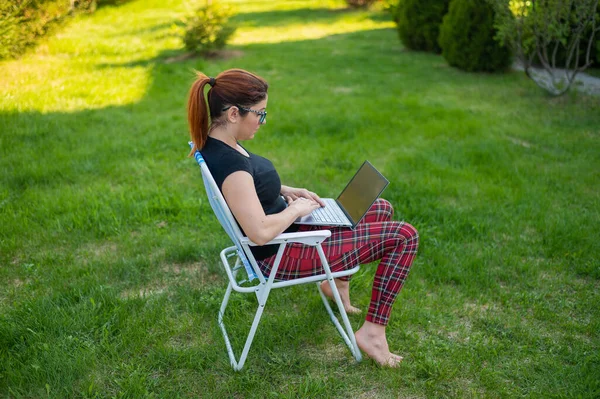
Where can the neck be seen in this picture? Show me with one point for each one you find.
(222, 134)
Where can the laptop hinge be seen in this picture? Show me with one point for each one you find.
(346, 213)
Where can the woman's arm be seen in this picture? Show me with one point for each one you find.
(240, 194)
(295, 193)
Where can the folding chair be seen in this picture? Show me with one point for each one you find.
(243, 257)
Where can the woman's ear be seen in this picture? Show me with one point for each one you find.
(233, 114)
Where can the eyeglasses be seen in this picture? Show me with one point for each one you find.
(262, 114)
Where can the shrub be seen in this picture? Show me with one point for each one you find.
(467, 37)
(360, 3)
(9, 31)
(23, 22)
(539, 31)
(419, 23)
(597, 65)
(208, 28)
(562, 52)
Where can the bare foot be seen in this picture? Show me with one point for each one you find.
(344, 290)
(372, 341)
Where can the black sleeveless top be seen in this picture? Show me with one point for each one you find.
(222, 160)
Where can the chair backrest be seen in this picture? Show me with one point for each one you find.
(222, 212)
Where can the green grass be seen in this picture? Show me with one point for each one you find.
(109, 277)
(595, 72)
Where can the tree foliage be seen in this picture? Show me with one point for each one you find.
(467, 38)
(23, 22)
(540, 30)
(419, 23)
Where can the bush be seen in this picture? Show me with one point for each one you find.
(23, 22)
(419, 23)
(360, 3)
(562, 52)
(467, 37)
(597, 64)
(538, 31)
(208, 28)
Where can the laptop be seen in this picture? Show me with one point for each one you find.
(352, 204)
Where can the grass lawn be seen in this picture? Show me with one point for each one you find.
(109, 277)
(593, 71)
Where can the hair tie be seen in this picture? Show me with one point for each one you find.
(212, 82)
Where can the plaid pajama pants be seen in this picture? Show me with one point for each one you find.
(376, 237)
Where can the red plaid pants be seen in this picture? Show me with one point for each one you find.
(376, 237)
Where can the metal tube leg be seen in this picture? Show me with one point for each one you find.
(347, 335)
(250, 338)
(222, 325)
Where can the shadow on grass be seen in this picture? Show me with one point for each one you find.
(114, 169)
(300, 16)
(97, 173)
(155, 28)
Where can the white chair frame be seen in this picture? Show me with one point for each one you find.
(245, 259)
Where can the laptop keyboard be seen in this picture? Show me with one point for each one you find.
(331, 213)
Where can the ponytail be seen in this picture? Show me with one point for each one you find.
(198, 113)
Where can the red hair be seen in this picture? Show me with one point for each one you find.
(231, 87)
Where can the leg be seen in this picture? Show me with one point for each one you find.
(303, 261)
(395, 243)
(398, 255)
(343, 286)
(380, 211)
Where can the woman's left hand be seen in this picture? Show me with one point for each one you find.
(295, 193)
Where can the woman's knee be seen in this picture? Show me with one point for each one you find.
(409, 233)
(384, 207)
(403, 232)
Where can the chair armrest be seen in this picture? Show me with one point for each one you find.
(304, 237)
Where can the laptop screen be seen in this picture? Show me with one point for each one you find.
(360, 193)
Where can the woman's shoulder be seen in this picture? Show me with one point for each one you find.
(216, 149)
(223, 160)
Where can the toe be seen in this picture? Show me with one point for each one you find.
(353, 310)
(393, 361)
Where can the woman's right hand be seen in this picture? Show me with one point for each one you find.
(303, 206)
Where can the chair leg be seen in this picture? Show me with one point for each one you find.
(262, 295)
(232, 359)
(348, 334)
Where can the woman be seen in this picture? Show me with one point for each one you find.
(237, 103)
